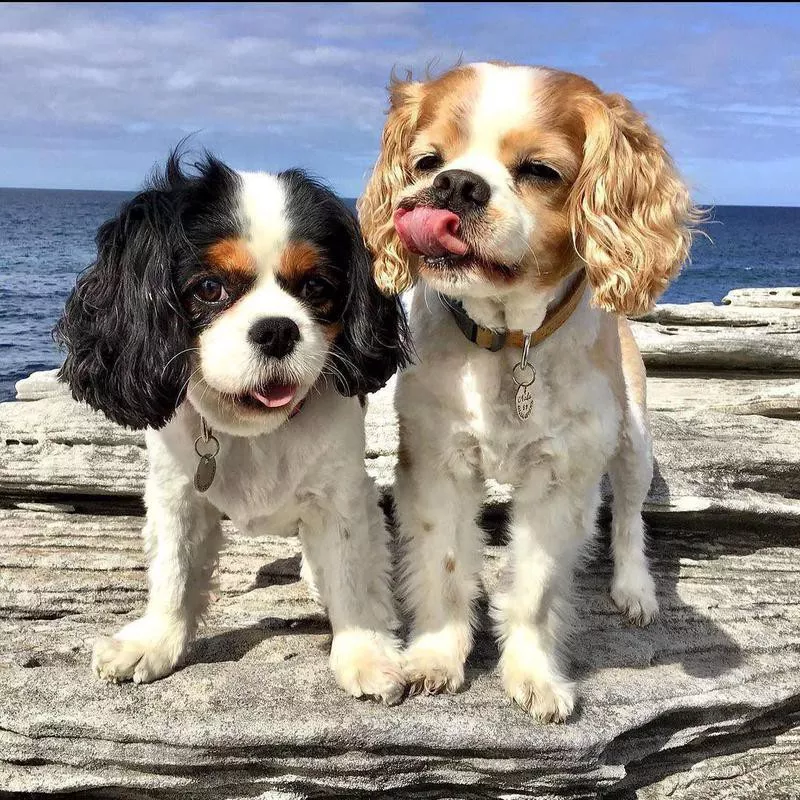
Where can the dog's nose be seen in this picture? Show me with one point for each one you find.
(275, 336)
(461, 190)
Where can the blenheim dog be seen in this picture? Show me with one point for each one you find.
(235, 317)
(533, 211)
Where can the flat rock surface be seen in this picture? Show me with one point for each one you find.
(729, 391)
(705, 703)
(730, 316)
(715, 347)
(778, 297)
(56, 448)
(256, 707)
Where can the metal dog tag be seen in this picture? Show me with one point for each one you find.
(524, 375)
(207, 466)
(524, 401)
(205, 472)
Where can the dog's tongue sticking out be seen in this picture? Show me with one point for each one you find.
(429, 231)
(275, 395)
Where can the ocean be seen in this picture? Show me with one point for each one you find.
(47, 237)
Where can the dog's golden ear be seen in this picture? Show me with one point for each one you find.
(389, 177)
(630, 213)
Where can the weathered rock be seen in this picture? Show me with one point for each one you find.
(705, 703)
(778, 297)
(719, 347)
(734, 316)
(62, 450)
(40, 384)
(256, 709)
(709, 338)
(730, 391)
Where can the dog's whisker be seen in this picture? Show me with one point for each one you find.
(187, 350)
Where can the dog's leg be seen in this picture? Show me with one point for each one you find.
(631, 471)
(437, 507)
(182, 539)
(532, 609)
(346, 556)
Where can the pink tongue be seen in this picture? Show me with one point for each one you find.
(429, 231)
(276, 395)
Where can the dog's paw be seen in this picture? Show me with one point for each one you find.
(634, 594)
(545, 700)
(143, 651)
(432, 666)
(366, 663)
(532, 680)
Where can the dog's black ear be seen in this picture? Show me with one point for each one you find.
(374, 342)
(123, 327)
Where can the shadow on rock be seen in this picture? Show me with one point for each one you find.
(236, 643)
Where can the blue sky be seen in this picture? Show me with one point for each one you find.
(93, 95)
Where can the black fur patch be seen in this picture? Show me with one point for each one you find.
(125, 327)
(373, 343)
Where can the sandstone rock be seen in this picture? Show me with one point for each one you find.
(708, 338)
(779, 297)
(734, 316)
(731, 391)
(701, 703)
(705, 703)
(712, 348)
(40, 384)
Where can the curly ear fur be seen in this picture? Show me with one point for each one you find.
(630, 213)
(123, 325)
(373, 343)
(389, 177)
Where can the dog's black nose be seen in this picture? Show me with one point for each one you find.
(275, 336)
(460, 190)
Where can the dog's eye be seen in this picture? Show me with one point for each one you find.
(315, 289)
(428, 163)
(536, 170)
(210, 290)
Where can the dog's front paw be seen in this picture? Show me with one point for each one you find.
(432, 665)
(533, 683)
(634, 594)
(545, 700)
(143, 651)
(366, 663)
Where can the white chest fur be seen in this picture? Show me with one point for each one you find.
(468, 396)
(266, 483)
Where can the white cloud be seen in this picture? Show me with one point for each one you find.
(287, 83)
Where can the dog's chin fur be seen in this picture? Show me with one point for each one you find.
(225, 414)
(220, 284)
(575, 180)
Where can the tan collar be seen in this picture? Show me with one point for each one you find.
(493, 340)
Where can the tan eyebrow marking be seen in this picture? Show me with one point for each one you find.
(232, 256)
(297, 259)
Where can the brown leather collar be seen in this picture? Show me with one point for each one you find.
(493, 340)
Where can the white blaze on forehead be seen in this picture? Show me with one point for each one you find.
(504, 103)
(263, 208)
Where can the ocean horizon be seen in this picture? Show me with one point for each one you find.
(48, 237)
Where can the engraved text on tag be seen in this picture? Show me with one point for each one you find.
(524, 401)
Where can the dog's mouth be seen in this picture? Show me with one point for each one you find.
(437, 235)
(271, 396)
(452, 265)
